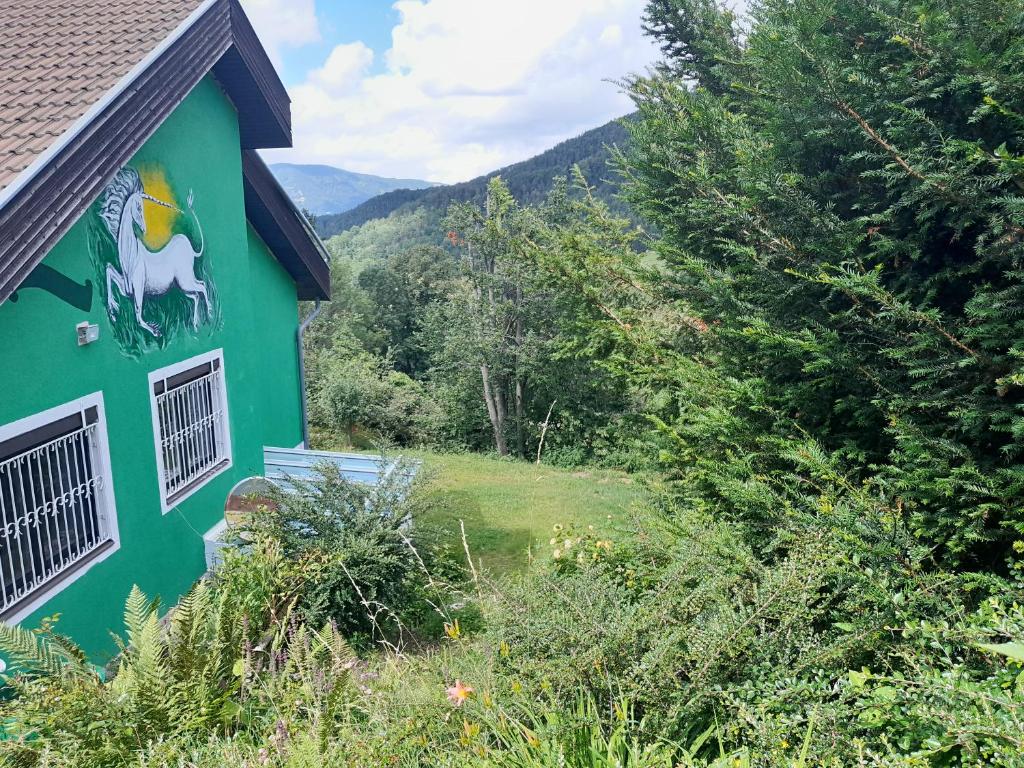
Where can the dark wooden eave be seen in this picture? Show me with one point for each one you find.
(221, 40)
(285, 230)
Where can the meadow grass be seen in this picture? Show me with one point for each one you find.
(509, 507)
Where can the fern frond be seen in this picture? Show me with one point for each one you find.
(149, 653)
(136, 612)
(187, 637)
(331, 642)
(36, 653)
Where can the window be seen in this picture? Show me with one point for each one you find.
(190, 421)
(56, 503)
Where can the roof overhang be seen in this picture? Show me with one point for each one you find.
(285, 230)
(44, 201)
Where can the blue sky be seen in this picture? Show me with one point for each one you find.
(446, 90)
(342, 21)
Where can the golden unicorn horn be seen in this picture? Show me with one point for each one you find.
(161, 202)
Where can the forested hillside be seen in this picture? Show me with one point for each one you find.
(323, 189)
(529, 181)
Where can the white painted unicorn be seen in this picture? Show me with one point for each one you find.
(144, 272)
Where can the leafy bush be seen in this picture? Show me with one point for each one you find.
(357, 388)
(699, 631)
(359, 559)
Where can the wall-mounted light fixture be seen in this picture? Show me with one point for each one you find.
(87, 333)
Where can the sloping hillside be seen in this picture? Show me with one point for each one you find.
(324, 189)
(529, 181)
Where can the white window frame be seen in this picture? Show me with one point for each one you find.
(104, 490)
(162, 374)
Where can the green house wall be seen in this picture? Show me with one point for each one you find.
(196, 148)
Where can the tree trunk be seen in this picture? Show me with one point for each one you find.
(520, 393)
(501, 406)
(495, 410)
(520, 397)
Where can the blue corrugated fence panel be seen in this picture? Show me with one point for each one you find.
(280, 464)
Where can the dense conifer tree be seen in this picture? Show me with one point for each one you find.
(838, 187)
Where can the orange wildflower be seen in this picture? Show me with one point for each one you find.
(458, 693)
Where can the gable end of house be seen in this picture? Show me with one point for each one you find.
(39, 206)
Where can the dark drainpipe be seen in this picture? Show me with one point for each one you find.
(302, 371)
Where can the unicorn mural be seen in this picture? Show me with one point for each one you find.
(141, 274)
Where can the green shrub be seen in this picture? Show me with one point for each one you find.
(359, 558)
(955, 697)
(698, 631)
(355, 388)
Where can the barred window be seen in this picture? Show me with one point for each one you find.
(56, 503)
(190, 420)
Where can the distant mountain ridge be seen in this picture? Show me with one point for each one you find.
(529, 181)
(324, 189)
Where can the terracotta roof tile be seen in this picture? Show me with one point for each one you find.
(58, 58)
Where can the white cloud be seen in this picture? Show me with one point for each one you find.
(283, 24)
(469, 86)
(344, 68)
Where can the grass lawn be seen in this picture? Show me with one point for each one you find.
(510, 507)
